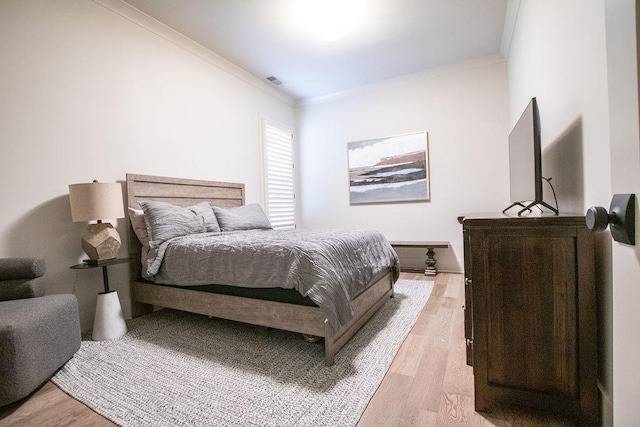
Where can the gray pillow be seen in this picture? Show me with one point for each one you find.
(166, 221)
(210, 222)
(247, 217)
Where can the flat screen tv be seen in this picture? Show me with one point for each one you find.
(525, 161)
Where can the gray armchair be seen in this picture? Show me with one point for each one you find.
(38, 333)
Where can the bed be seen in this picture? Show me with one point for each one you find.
(280, 309)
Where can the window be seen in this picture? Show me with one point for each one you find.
(279, 196)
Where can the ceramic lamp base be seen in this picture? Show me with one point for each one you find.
(108, 322)
(101, 241)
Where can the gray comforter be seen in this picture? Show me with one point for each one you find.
(328, 266)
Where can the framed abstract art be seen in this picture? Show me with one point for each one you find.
(389, 170)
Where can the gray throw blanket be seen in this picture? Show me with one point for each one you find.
(328, 266)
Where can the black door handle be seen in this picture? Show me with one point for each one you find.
(621, 216)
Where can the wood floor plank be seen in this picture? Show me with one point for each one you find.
(387, 404)
(435, 300)
(407, 360)
(50, 406)
(425, 325)
(417, 418)
(454, 410)
(429, 383)
(441, 334)
(454, 288)
(427, 388)
(459, 376)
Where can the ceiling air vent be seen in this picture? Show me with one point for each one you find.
(274, 80)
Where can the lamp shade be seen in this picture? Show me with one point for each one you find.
(96, 201)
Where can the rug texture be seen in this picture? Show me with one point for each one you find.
(180, 369)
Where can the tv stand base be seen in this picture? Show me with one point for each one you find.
(531, 205)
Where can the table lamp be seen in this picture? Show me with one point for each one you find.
(97, 201)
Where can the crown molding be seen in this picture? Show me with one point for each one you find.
(510, 20)
(156, 27)
(402, 80)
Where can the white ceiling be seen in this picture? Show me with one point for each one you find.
(393, 38)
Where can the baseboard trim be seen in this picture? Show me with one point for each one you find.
(606, 406)
(421, 270)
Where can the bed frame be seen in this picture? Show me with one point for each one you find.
(291, 317)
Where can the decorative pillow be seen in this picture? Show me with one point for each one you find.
(165, 221)
(247, 217)
(136, 216)
(210, 222)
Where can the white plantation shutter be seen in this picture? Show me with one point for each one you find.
(278, 171)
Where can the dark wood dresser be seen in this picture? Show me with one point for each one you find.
(530, 313)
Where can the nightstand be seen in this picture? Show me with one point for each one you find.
(108, 322)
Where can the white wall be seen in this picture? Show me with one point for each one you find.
(622, 59)
(463, 109)
(94, 90)
(559, 55)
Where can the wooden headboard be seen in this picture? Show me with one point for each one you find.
(182, 192)
(177, 191)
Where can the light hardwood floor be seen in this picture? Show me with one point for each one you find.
(428, 383)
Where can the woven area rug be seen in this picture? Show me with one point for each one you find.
(180, 369)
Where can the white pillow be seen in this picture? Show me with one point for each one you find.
(136, 216)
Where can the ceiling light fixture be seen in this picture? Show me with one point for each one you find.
(329, 19)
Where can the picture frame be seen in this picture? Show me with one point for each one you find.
(392, 169)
